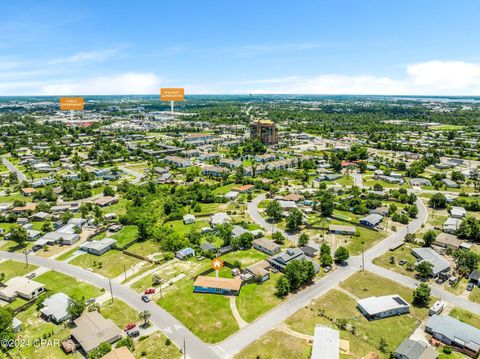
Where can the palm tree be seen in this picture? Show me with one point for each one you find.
(145, 316)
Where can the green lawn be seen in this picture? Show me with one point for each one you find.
(276, 344)
(179, 226)
(67, 255)
(110, 264)
(59, 282)
(15, 269)
(207, 315)
(246, 257)
(368, 236)
(120, 313)
(126, 235)
(257, 299)
(366, 284)
(474, 296)
(346, 181)
(154, 346)
(404, 252)
(119, 208)
(144, 248)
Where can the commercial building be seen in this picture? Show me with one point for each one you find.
(383, 307)
(265, 131)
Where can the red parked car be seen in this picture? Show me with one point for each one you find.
(149, 291)
(130, 326)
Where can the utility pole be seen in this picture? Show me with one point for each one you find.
(110, 284)
(125, 271)
(26, 257)
(363, 256)
(184, 349)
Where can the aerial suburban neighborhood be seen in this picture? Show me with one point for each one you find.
(172, 234)
(240, 179)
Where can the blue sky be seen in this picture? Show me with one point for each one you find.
(359, 47)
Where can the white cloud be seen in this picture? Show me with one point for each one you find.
(122, 84)
(84, 56)
(426, 78)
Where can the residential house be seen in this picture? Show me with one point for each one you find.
(55, 307)
(457, 212)
(414, 349)
(440, 264)
(341, 229)
(214, 171)
(219, 218)
(106, 201)
(281, 260)
(92, 329)
(178, 161)
(326, 343)
(453, 332)
(188, 219)
(451, 225)
(185, 253)
(383, 307)
(372, 220)
(266, 246)
(213, 285)
(20, 287)
(98, 247)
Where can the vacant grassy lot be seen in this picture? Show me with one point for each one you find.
(368, 236)
(346, 181)
(404, 252)
(126, 235)
(15, 269)
(154, 347)
(144, 248)
(475, 295)
(110, 264)
(207, 315)
(59, 282)
(366, 284)
(276, 344)
(179, 226)
(337, 305)
(246, 257)
(257, 299)
(120, 313)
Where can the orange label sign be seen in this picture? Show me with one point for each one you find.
(172, 94)
(72, 103)
(217, 264)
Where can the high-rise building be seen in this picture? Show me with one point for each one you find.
(265, 131)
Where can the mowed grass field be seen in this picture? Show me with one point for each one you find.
(15, 269)
(110, 264)
(59, 282)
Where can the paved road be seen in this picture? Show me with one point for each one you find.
(254, 330)
(11, 167)
(436, 291)
(138, 176)
(258, 219)
(160, 318)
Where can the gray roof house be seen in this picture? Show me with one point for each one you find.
(281, 260)
(98, 247)
(451, 225)
(412, 349)
(372, 220)
(383, 307)
(453, 332)
(440, 264)
(326, 343)
(55, 307)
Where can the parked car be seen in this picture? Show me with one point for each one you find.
(149, 291)
(31, 275)
(470, 286)
(90, 301)
(327, 269)
(129, 326)
(402, 262)
(133, 333)
(145, 299)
